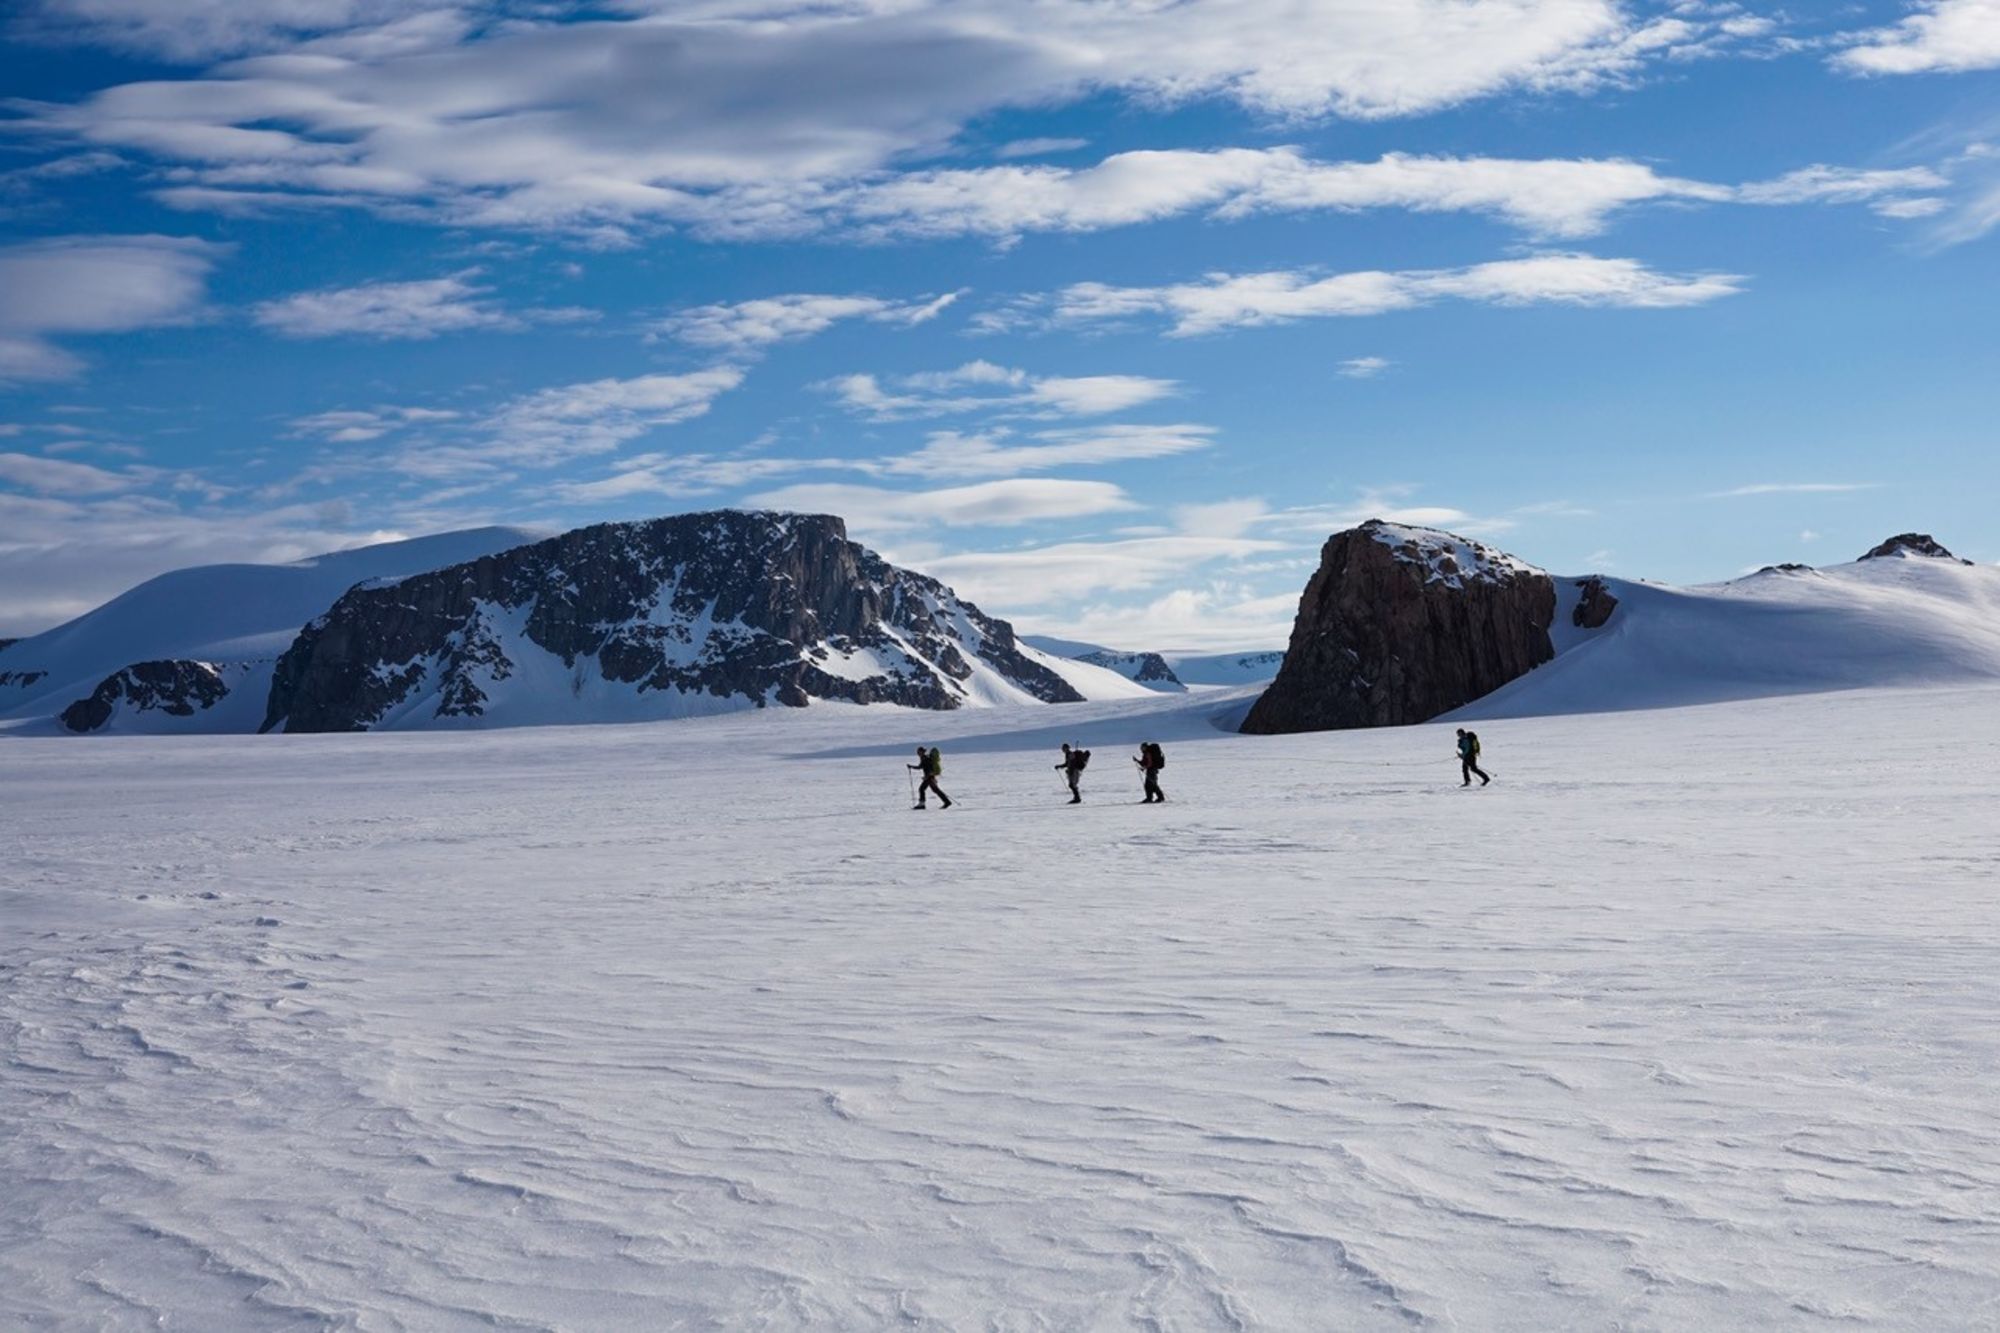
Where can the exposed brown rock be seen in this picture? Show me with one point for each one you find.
(1401, 624)
(1594, 608)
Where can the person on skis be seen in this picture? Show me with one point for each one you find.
(1151, 759)
(930, 763)
(1071, 767)
(1468, 758)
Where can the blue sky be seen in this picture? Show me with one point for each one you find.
(1105, 311)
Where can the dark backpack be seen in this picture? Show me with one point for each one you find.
(1159, 757)
(933, 764)
(1080, 759)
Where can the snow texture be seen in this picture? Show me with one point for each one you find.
(1686, 1022)
(1447, 558)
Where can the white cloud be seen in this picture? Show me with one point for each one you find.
(1797, 488)
(398, 310)
(1943, 36)
(544, 428)
(1225, 301)
(1225, 616)
(986, 504)
(1220, 518)
(1363, 367)
(192, 30)
(1038, 147)
(596, 417)
(1842, 185)
(982, 386)
(93, 284)
(357, 426)
(738, 118)
(53, 476)
(754, 324)
(999, 453)
(1065, 571)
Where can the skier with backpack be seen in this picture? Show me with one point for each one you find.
(1468, 758)
(1151, 759)
(1072, 766)
(930, 763)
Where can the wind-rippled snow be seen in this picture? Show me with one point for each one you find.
(1686, 1022)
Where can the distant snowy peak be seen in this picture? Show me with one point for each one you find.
(1448, 558)
(1148, 669)
(697, 613)
(1910, 544)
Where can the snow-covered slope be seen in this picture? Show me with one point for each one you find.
(214, 613)
(1228, 669)
(698, 1026)
(1898, 618)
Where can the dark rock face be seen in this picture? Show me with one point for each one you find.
(5, 644)
(1912, 543)
(769, 607)
(21, 678)
(1401, 624)
(179, 688)
(1145, 668)
(1594, 608)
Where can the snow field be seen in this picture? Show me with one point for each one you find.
(1687, 1021)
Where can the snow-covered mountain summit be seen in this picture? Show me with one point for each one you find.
(698, 613)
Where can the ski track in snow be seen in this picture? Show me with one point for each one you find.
(1687, 1022)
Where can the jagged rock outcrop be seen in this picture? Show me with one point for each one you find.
(1594, 607)
(178, 688)
(1148, 669)
(23, 679)
(757, 607)
(1912, 543)
(1400, 624)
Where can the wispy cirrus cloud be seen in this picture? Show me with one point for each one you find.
(983, 386)
(874, 509)
(55, 476)
(403, 310)
(1223, 301)
(752, 325)
(1796, 488)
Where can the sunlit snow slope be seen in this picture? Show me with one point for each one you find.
(1890, 620)
(1684, 1023)
(216, 613)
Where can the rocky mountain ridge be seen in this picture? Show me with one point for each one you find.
(667, 617)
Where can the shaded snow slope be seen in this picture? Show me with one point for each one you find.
(1887, 620)
(217, 613)
(582, 1028)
